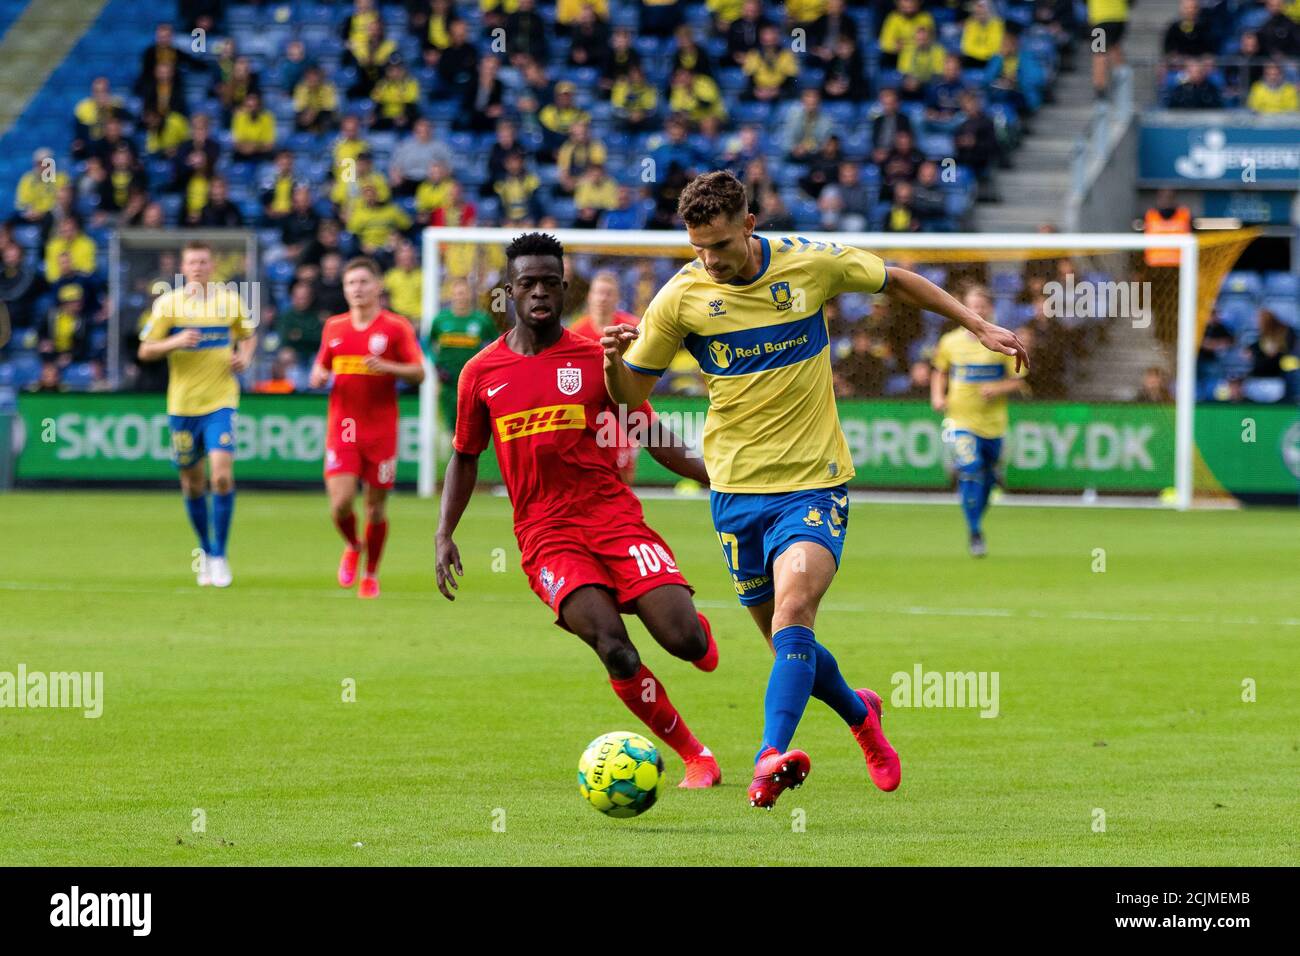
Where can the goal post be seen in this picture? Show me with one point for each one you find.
(1183, 306)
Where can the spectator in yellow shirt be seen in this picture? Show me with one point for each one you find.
(376, 222)
(395, 96)
(70, 239)
(804, 11)
(578, 152)
(404, 283)
(772, 67)
(696, 95)
(164, 135)
(435, 192)
(596, 193)
(253, 131)
(38, 187)
(349, 185)
(348, 147)
(1272, 94)
(727, 12)
(920, 62)
(899, 30)
(314, 102)
(981, 37)
(635, 101)
(92, 113)
(566, 11)
(557, 118)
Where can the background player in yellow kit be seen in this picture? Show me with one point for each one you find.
(969, 387)
(205, 332)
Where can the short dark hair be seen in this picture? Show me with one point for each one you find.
(535, 244)
(363, 262)
(708, 196)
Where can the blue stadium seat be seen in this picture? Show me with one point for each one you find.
(1281, 284)
(1243, 283)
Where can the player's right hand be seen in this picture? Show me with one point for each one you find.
(615, 339)
(186, 339)
(940, 405)
(448, 560)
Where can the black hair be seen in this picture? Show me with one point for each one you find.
(535, 244)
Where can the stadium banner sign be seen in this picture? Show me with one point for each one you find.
(1051, 446)
(1223, 152)
(1252, 208)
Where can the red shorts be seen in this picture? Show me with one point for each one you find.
(374, 462)
(628, 561)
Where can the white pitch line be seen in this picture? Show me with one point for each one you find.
(1114, 617)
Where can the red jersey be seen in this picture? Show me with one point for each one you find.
(368, 398)
(585, 325)
(558, 455)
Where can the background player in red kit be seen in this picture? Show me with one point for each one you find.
(538, 393)
(368, 349)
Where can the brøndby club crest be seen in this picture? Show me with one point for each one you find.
(569, 380)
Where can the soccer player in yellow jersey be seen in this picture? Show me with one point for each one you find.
(750, 310)
(970, 386)
(206, 334)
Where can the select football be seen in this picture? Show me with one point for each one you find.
(621, 774)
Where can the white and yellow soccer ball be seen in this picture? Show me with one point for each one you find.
(621, 774)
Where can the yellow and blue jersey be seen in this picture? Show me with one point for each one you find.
(970, 366)
(763, 346)
(200, 379)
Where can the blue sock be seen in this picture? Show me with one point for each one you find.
(833, 690)
(973, 499)
(223, 509)
(789, 686)
(198, 512)
(990, 480)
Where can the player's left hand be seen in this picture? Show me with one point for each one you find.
(448, 560)
(615, 340)
(374, 363)
(238, 363)
(997, 339)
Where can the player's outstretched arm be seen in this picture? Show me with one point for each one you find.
(674, 454)
(919, 291)
(457, 485)
(625, 386)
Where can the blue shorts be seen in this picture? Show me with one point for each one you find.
(193, 436)
(755, 529)
(972, 455)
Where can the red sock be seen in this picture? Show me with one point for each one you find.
(376, 532)
(646, 697)
(348, 528)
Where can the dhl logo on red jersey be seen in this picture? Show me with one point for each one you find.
(534, 421)
(351, 365)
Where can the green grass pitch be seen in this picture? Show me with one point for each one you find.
(1121, 692)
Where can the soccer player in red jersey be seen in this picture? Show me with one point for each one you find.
(602, 312)
(368, 350)
(538, 394)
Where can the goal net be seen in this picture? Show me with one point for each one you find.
(1112, 322)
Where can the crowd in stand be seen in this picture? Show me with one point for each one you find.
(351, 128)
(1220, 55)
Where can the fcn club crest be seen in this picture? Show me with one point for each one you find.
(378, 342)
(569, 380)
(781, 297)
